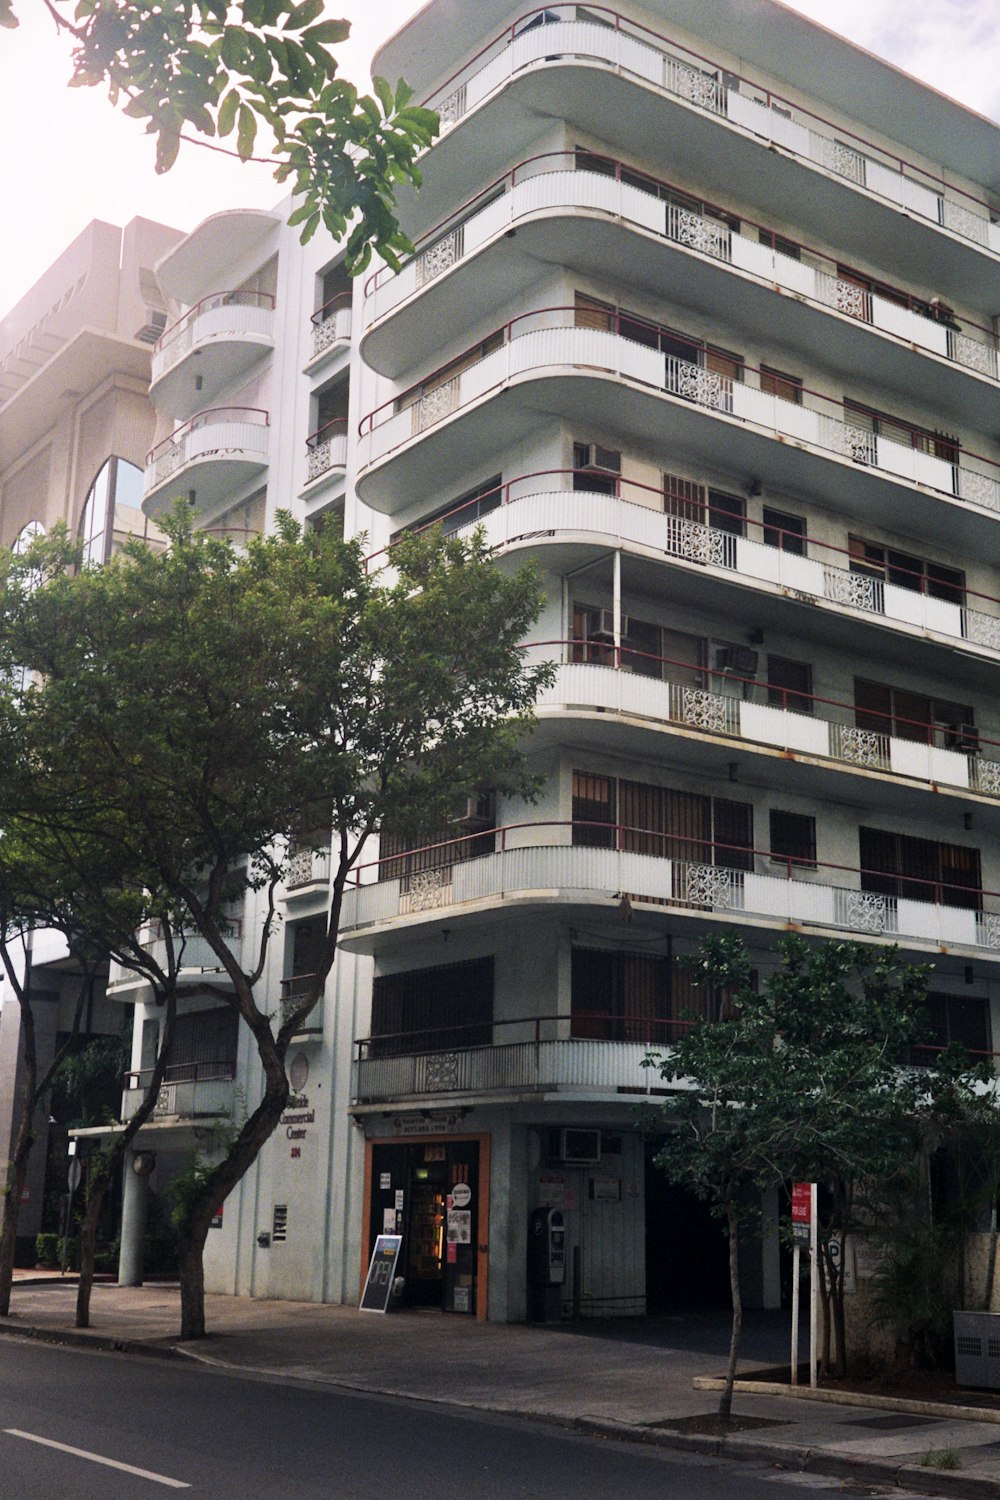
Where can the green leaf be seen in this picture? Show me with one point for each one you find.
(301, 15)
(328, 32)
(227, 112)
(246, 133)
(168, 143)
(384, 93)
(233, 50)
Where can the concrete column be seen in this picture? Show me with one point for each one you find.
(135, 1200)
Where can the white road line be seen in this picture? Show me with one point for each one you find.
(95, 1458)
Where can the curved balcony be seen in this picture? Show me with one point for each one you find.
(540, 865)
(205, 256)
(327, 450)
(637, 688)
(207, 458)
(635, 89)
(537, 1055)
(190, 1091)
(216, 342)
(550, 510)
(197, 962)
(331, 327)
(571, 208)
(546, 363)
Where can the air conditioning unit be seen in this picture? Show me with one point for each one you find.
(477, 811)
(607, 625)
(155, 323)
(578, 1147)
(593, 456)
(740, 660)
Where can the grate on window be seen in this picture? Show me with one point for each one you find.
(279, 1227)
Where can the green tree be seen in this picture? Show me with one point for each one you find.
(802, 1077)
(195, 707)
(221, 69)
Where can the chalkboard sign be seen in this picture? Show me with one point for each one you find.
(381, 1274)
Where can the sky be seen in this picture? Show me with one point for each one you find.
(68, 157)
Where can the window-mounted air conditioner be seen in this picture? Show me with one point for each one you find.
(606, 626)
(960, 737)
(593, 456)
(578, 1147)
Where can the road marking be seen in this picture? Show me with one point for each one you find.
(96, 1458)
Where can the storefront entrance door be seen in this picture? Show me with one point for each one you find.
(427, 1191)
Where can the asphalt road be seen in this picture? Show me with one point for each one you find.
(77, 1424)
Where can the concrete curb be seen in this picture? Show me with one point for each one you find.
(851, 1398)
(746, 1450)
(80, 1338)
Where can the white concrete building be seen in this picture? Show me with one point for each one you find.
(701, 318)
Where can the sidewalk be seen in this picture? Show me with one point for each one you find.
(624, 1382)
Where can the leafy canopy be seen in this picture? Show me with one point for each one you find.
(226, 69)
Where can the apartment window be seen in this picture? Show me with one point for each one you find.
(205, 1042)
(663, 822)
(596, 469)
(779, 243)
(789, 684)
(778, 383)
(465, 510)
(433, 1010)
(896, 864)
(785, 531)
(906, 571)
(591, 313)
(450, 371)
(643, 651)
(937, 444)
(684, 498)
(469, 834)
(954, 1020)
(727, 512)
(620, 996)
(793, 838)
(914, 716)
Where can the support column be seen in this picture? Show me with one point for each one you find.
(134, 1202)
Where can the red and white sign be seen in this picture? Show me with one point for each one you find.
(802, 1193)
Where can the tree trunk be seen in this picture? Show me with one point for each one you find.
(991, 1267)
(190, 1256)
(17, 1173)
(97, 1186)
(839, 1318)
(219, 1183)
(726, 1399)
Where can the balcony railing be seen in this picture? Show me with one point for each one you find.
(233, 314)
(620, 679)
(689, 875)
(554, 501)
(543, 1052)
(327, 448)
(307, 867)
(189, 1090)
(639, 52)
(572, 180)
(331, 323)
(294, 989)
(555, 337)
(220, 432)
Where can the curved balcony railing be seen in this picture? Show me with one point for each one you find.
(331, 323)
(554, 337)
(327, 448)
(621, 679)
(220, 432)
(232, 314)
(584, 180)
(189, 1090)
(554, 501)
(554, 33)
(683, 873)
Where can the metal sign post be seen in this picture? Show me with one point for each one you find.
(813, 1285)
(801, 1218)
